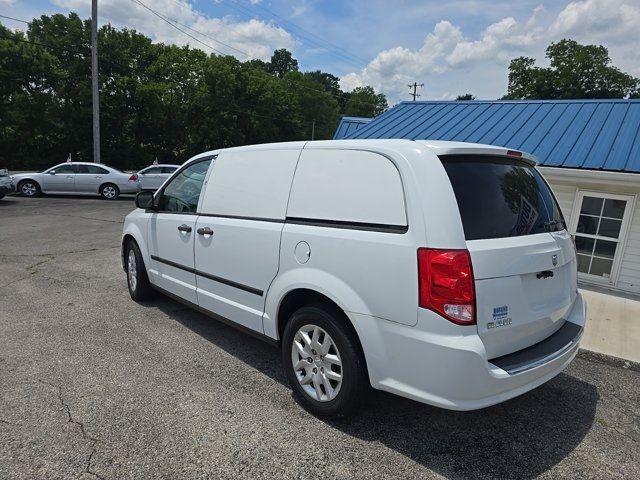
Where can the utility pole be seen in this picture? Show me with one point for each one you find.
(313, 129)
(94, 81)
(415, 86)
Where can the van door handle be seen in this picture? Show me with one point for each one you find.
(204, 231)
(184, 228)
(545, 274)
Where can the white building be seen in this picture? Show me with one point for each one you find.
(589, 151)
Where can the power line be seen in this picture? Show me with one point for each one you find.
(363, 62)
(165, 18)
(321, 42)
(176, 27)
(14, 19)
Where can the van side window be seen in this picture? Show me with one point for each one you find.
(348, 186)
(182, 193)
(250, 183)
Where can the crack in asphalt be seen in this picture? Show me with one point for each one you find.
(87, 250)
(33, 269)
(85, 435)
(88, 218)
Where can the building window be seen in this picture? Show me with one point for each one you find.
(599, 226)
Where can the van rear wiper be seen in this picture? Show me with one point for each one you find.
(554, 223)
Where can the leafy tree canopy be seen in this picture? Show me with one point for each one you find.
(282, 62)
(575, 71)
(466, 96)
(365, 102)
(156, 100)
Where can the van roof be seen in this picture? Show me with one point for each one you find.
(440, 147)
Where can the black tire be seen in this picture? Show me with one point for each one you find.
(140, 290)
(109, 191)
(355, 381)
(29, 188)
(1, 196)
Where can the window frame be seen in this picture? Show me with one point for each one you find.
(160, 191)
(622, 237)
(103, 172)
(145, 171)
(73, 165)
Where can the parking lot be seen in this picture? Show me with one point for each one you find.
(95, 385)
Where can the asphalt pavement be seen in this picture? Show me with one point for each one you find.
(93, 385)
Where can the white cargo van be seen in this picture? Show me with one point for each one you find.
(439, 271)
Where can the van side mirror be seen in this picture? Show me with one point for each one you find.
(144, 200)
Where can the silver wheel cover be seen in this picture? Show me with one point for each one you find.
(109, 191)
(28, 189)
(132, 270)
(316, 362)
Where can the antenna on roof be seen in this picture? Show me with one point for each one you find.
(415, 86)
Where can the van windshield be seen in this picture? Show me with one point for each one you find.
(501, 197)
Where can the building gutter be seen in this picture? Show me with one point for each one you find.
(590, 176)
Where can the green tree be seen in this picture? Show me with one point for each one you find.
(156, 100)
(365, 102)
(312, 105)
(282, 62)
(466, 96)
(575, 71)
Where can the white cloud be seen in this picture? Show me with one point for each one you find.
(449, 61)
(249, 39)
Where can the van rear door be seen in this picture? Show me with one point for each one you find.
(523, 258)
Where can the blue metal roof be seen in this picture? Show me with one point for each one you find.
(588, 134)
(349, 125)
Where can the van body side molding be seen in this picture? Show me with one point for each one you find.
(370, 227)
(215, 278)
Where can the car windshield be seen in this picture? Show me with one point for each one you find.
(501, 197)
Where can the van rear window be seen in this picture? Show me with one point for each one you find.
(501, 197)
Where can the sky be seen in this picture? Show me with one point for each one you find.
(452, 46)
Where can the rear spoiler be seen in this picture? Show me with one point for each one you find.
(480, 152)
(477, 149)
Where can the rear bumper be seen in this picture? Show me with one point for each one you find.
(452, 370)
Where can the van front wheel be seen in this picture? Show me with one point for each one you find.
(323, 362)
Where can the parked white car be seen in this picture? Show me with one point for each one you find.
(78, 178)
(6, 184)
(152, 177)
(438, 271)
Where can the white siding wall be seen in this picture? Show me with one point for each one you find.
(566, 194)
(629, 278)
(629, 275)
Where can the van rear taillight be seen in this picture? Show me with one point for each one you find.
(446, 285)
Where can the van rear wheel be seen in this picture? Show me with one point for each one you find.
(323, 362)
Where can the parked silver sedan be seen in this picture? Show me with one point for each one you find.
(152, 177)
(78, 178)
(6, 184)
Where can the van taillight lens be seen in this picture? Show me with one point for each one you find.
(133, 177)
(446, 284)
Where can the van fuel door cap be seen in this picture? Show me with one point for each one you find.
(302, 252)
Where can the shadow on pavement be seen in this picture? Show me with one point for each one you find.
(521, 438)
